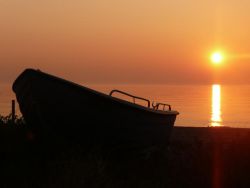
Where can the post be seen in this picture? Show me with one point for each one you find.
(13, 111)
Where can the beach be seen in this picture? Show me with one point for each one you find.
(125, 94)
(195, 157)
(210, 157)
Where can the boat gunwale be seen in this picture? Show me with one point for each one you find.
(141, 107)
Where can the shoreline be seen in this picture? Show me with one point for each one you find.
(212, 133)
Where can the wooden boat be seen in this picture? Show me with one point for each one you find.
(57, 109)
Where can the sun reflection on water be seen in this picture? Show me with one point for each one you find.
(216, 119)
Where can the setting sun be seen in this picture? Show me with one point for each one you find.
(216, 57)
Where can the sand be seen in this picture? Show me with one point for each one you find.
(210, 157)
(195, 157)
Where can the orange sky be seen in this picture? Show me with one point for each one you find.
(132, 41)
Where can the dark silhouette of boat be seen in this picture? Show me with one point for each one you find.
(60, 110)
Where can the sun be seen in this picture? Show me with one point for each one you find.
(217, 57)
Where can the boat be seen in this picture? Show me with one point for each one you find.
(58, 110)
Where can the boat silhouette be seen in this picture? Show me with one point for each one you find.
(62, 111)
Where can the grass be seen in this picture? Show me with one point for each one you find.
(9, 121)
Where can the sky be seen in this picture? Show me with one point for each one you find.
(132, 41)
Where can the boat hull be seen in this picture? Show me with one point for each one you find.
(58, 110)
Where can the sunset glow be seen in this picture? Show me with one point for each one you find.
(95, 41)
(138, 93)
(217, 57)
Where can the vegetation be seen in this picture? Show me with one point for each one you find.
(10, 121)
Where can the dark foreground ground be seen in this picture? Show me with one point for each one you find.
(196, 157)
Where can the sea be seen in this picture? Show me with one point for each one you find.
(198, 105)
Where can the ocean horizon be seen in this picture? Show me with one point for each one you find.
(198, 105)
